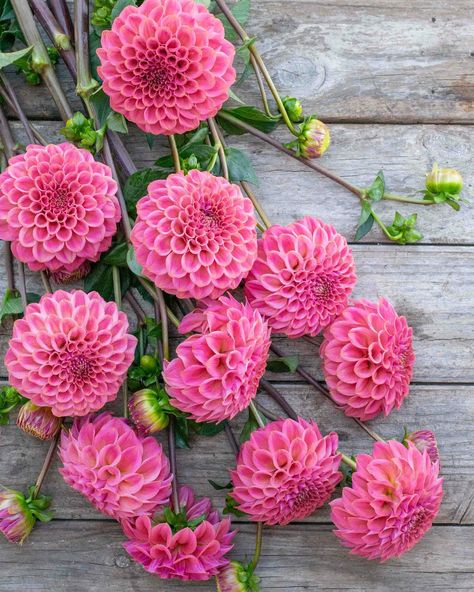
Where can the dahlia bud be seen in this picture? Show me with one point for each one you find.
(148, 363)
(146, 410)
(443, 181)
(18, 514)
(38, 421)
(425, 440)
(235, 577)
(81, 131)
(314, 138)
(68, 277)
(294, 108)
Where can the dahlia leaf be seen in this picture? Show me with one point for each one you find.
(202, 152)
(219, 487)
(117, 255)
(250, 426)
(253, 116)
(377, 189)
(231, 507)
(132, 262)
(100, 280)
(181, 433)
(11, 305)
(241, 11)
(119, 6)
(240, 166)
(117, 123)
(206, 3)
(286, 364)
(6, 59)
(205, 428)
(366, 221)
(137, 184)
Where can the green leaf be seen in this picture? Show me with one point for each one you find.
(6, 59)
(403, 231)
(100, 279)
(218, 487)
(286, 364)
(205, 3)
(202, 152)
(132, 263)
(119, 6)
(94, 44)
(137, 184)
(100, 102)
(377, 189)
(366, 220)
(250, 426)
(208, 429)
(117, 255)
(250, 115)
(11, 304)
(240, 167)
(181, 433)
(241, 11)
(117, 123)
(231, 507)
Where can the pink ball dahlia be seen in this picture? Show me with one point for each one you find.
(302, 278)
(395, 495)
(217, 371)
(194, 547)
(120, 473)
(368, 359)
(195, 235)
(70, 352)
(58, 207)
(286, 471)
(166, 65)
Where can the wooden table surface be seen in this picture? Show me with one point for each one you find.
(396, 82)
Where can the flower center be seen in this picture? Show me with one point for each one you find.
(209, 217)
(157, 74)
(80, 366)
(56, 201)
(323, 289)
(309, 496)
(413, 524)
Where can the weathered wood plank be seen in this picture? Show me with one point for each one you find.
(88, 556)
(288, 190)
(330, 55)
(448, 410)
(431, 286)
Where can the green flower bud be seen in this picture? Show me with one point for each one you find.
(443, 181)
(18, 513)
(314, 138)
(236, 577)
(148, 363)
(102, 13)
(294, 108)
(80, 130)
(146, 411)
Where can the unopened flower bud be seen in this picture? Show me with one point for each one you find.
(294, 108)
(425, 440)
(147, 412)
(148, 363)
(235, 577)
(18, 514)
(80, 130)
(38, 421)
(444, 181)
(314, 138)
(69, 277)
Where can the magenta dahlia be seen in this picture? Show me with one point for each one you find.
(57, 207)
(395, 495)
(425, 440)
(121, 473)
(195, 235)
(368, 359)
(166, 65)
(216, 372)
(70, 352)
(285, 471)
(189, 545)
(302, 278)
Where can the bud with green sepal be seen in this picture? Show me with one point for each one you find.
(38, 421)
(402, 230)
(444, 185)
(236, 577)
(294, 108)
(424, 440)
(81, 131)
(150, 410)
(314, 138)
(19, 513)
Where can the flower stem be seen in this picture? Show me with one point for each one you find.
(267, 413)
(258, 547)
(40, 57)
(61, 11)
(407, 199)
(174, 153)
(173, 463)
(348, 461)
(256, 204)
(231, 438)
(9, 266)
(117, 288)
(46, 283)
(137, 309)
(22, 284)
(11, 99)
(6, 136)
(86, 85)
(278, 398)
(256, 414)
(220, 147)
(46, 464)
(261, 87)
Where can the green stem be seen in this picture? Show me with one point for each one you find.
(256, 414)
(382, 225)
(86, 85)
(46, 465)
(258, 547)
(348, 461)
(117, 288)
(261, 87)
(46, 283)
(174, 153)
(219, 146)
(406, 199)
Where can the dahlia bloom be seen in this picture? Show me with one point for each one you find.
(69, 277)
(368, 359)
(216, 372)
(120, 473)
(38, 421)
(57, 207)
(166, 65)
(195, 235)
(425, 440)
(302, 278)
(285, 471)
(395, 495)
(70, 352)
(190, 552)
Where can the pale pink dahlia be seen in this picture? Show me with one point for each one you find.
(302, 278)
(192, 547)
(216, 372)
(58, 207)
(368, 359)
(166, 65)
(119, 472)
(70, 352)
(195, 235)
(395, 495)
(286, 471)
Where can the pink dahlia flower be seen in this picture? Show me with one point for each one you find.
(58, 207)
(70, 352)
(120, 473)
(166, 65)
(195, 235)
(425, 440)
(395, 495)
(286, 471)
(302, 278)
(194, 547)
(368, 359)
(16, 519)
(217, 371)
